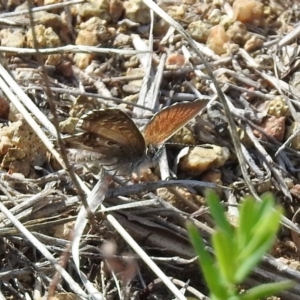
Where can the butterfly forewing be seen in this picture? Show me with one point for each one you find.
(169, 120)
(113, 125)
(112, 138)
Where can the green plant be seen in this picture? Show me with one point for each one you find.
(238, 249)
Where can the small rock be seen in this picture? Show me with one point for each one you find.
(132, 63)
(200, 159)
(231, 48)
(214, 176)
(48, 19)
(130, 89)
(97, 27)
(176, 11)
(238, 33)
(12, 154)
(248, 11)
(5, 144)
(122, 40)
(253, 44)
(4, 108)
(86, 37)
(12, 38)
(184, 137)
(199, 31)
(289, 182)
(273, 126)
(137, 11)
(65, 68)
(68, 126)
(95, 8)
(216, 39)
(161, 28)
(215, 16)
(82, 60)
(264, 187)
(226, 21)
(82, 105)
(25, 144)
(53, 59)
(295, 191)
(115, 10)
(93, 32)
(135, 85)
(278, 107)
(46, 37)
(20, 167)
(295, 263)
(175, 61)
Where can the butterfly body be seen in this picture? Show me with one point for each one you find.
(112, 137)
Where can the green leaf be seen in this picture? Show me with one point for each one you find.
(263, 236)
(226, 256)
(267, 290)
(238, 250)
(246, 266)
(268, 201)
(252, 212)
(247, 218)
(218, 213)
(211, 274)
(262, 233)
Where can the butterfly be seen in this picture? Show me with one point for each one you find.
(111, 138)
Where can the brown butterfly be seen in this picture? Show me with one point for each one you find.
(112, 138)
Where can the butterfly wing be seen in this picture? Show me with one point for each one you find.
(169, 120)
(93, 148)
(110, 137)
(115, 126)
